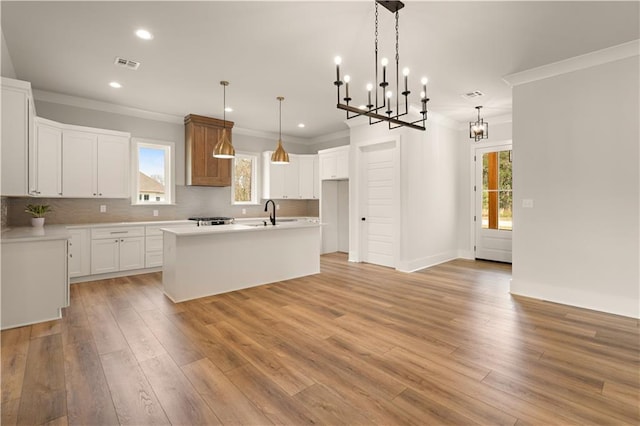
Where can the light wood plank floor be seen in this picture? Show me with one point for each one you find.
(357, 344)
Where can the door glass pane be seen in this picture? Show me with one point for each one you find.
(496, 190)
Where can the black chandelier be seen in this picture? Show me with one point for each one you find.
(376, 112)
(479, 129)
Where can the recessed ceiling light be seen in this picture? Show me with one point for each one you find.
(115, 85)
(301, 125)
(144, 34)
(228, 109)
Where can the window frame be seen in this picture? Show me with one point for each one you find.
(169, 170)
(255, 176)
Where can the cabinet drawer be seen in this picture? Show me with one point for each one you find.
(153, 259)
(117, 232)
(154, 243)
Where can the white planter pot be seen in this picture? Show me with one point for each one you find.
(37, 222)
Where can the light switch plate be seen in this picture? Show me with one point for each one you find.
(155, 212)
(103, 208)
(527, 203)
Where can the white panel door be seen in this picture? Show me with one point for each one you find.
(79, 156)
(132, 254)
(493, 203)
(113, 166)
(307, 176)
(377, 209)
(105, 255)
(48, 162)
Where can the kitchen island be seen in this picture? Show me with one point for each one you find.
(208, 260)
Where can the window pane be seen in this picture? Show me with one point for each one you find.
(243, 171)
(504, 172)
(505, 214)
(485, 209)
(151, 178)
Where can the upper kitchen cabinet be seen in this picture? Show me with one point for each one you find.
(45, 160)
(334, 163)
(293, 181)
(18, 113)
(95, 163)
(201, 136)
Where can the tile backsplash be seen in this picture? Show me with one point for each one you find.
(190, 201)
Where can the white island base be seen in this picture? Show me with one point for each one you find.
(210, 260)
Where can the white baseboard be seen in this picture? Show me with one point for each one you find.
(425, 262)
(466, 254)
(98, 277)
(608, 303)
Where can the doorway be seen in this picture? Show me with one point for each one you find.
(378, 203)
(493, 203)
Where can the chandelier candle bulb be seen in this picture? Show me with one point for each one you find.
(384, 63)
(369, 89)
(405, 73)
(347, 79)
(338, 61)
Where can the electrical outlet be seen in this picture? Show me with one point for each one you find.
(244, 211)
(155, 213)
(527, 203)
(103, 208)
(277, 206)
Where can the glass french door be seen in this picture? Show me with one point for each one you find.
(494, 203)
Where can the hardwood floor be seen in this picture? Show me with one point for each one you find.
(357, 344)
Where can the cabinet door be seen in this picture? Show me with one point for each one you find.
(203, 169)
(79, 253)
(132, 253)
(328, 166)
(307, 174)
(342, 164)
(15, 139)
(79, 156)
(113, 166)
(272, 178)
(292, 177)
(316, 177)
(105, 255)
(47, 155)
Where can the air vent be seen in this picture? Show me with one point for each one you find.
(127, 63)
(473, 95)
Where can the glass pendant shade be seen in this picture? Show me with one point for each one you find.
(279, 156)
(224, 148)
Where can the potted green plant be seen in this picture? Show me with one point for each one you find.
(37, 211)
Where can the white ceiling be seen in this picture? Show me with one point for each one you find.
(266, 49)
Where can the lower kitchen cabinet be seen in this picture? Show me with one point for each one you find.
(35, 284)
(79, 252)
(117, 249)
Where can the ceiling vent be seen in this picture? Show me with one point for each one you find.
(127, 63)
(473, 95)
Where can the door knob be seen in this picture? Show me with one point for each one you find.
(363, 219)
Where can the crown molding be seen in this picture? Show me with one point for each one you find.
(591, 59)
(75, 101)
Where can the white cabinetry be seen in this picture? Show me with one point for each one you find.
(79, 252)
(35, 284)
(334, 163)
(153, 246)
(95, 164)
(295, 180)
(17, 133)
(117, 249)
(45, 160)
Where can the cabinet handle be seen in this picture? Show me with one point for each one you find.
(59, 193)
(122, 241)
(94, 194)
(100, 194)
(70, 255)
(119, 232)
(116, 241)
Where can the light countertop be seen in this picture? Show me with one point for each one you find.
(31, 233)
(256, 226)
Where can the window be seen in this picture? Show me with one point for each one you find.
(497, 199)
(153, 171)
(244, 179)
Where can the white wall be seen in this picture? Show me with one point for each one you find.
(6, 68)
(576, 155)
(427, 187)
(153, 129)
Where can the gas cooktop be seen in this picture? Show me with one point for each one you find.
(213, 220)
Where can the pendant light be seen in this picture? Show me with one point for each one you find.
(224, 148)
(280, 156)
(478, 129)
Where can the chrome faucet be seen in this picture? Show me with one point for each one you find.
(266, 208)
